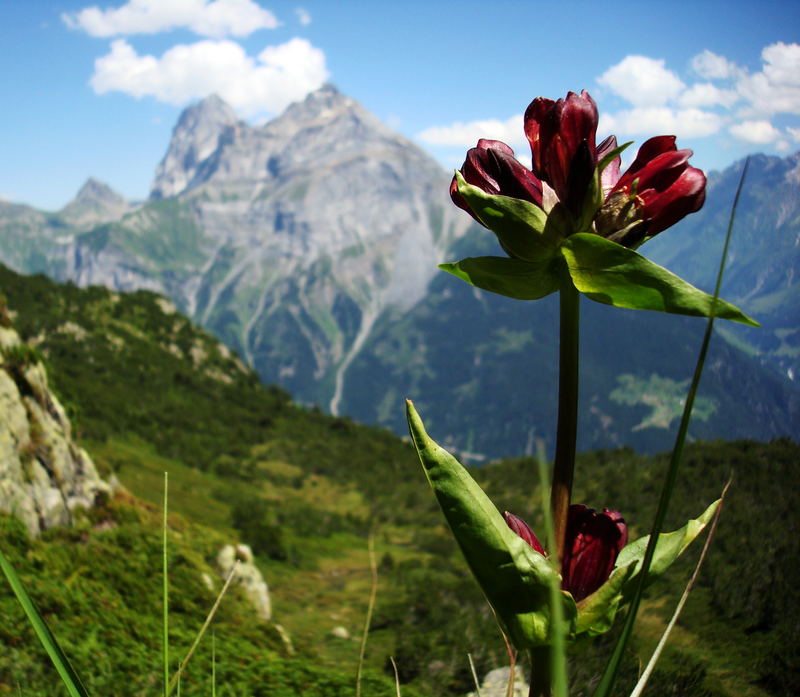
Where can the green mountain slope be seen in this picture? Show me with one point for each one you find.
(762, 275)
(484, 370)
(150, 392)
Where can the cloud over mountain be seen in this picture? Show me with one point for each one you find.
(268, 82)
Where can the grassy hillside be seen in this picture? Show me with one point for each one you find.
(149, 392)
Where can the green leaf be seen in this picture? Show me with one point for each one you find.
(615, 275)
(669, 547)
(62, 665)
(513, 278)
(514, 578)
(519, 225)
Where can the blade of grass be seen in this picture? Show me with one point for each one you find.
(651, 664)
(213, 664)
(60, 661)
(165, 621)
(512, 665)
(397, 676)
(370, 606)
(212, 612)
(612, 668)
(474, 676)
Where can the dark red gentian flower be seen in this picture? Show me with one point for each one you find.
(492, 167)
(594, 541)
(562, 136)
(658, 189)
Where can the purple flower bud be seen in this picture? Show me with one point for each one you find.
(522, 529)
(594, 541)
(562, 136)
(492, 167)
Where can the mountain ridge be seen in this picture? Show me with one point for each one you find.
(307, 242)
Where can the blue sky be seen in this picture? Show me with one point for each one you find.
(95, 89)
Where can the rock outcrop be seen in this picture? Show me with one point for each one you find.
(495, 684)
(247, 576)
(44, 475)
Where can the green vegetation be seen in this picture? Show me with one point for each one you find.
(149, 392)
(663, 396)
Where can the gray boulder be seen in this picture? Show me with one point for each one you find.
(44, 475)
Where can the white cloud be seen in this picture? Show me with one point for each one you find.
(759, 132)
(467, 135)
(711, 66)
(794, 134)
(215, 18)
(642, 81)
(704, 94)
(776, 88)
(684, 123)
(279, 75)
(782, 63)
(303, 16)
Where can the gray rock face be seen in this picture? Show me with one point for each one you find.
(43, 473)
(194, 139)
(288, 239)
(96, 203)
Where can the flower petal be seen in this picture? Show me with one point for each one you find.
(522, 529)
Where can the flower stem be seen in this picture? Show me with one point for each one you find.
(540, 672)
(567, 432)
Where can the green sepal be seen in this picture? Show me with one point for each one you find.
(514, 278)
(609, 273)
(520, 226)
(613, 155)
(594, 193)
(596, 612)
(514, 578)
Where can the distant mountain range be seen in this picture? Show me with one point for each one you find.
(310, 244)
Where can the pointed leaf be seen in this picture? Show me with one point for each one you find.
(519, 225)
(66, 672)
(514, 578)
(513, 278)
(669, 547)
(615, 275)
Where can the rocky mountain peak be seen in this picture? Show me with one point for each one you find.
(319, 104)
(95, 203)
(95, 190)
(341, 117)
(195, 138)
(208, 113)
